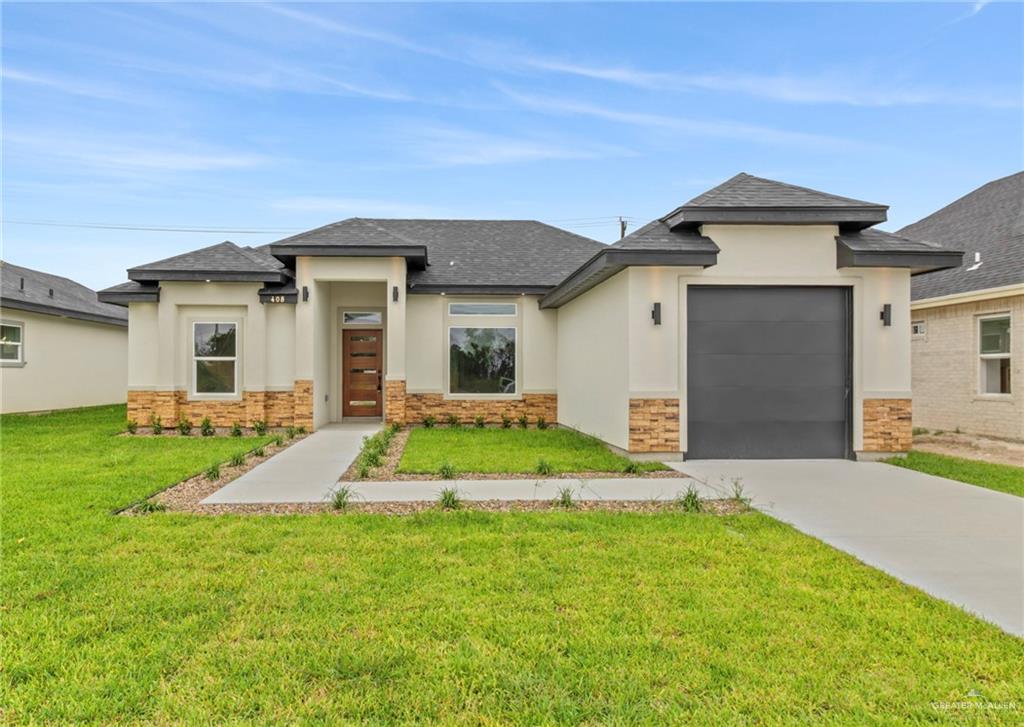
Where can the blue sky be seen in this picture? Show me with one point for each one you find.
(278, 118)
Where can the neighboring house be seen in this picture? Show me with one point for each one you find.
(967, 326)
(745, 323)
(60, 347)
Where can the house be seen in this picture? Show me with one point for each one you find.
(967, 328)
(60, 347)
(760, 319)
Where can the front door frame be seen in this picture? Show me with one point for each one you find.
(346, 332)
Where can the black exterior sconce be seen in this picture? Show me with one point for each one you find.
(305, 294)
(886, 315)
(394, 293)
(656, 314)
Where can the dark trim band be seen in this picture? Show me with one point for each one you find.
(853, 217)
(919, 261)
(415, 255)
(436, 289)
(212, 276)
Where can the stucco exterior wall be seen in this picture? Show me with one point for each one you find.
(68, 363)
(946, 370)
(593, 362)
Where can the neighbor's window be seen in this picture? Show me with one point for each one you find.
(11, 342)
(918, 329)
(994, 350)
(481, 309)
(482, 360)
(361, 317)
(216, 358)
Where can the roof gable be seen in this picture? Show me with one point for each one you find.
(988, 225)
(223, 261)
(30, 290)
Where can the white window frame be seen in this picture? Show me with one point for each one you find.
(514, 394)
(453, 314)
(923, 333)
(20, 361)
(982, 357)
(195, 359)
(378, 313)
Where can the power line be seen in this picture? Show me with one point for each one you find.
(155, 228)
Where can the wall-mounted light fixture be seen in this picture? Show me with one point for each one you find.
(886, 315)
(394, 293)
(656, 314)
(305, 294)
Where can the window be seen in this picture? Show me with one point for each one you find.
(365, 318)
(11, 343)
(918, 329)
(481, 309)
(994, 350)
(482, 360)
(215, 357)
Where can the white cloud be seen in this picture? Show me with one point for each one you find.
(71, 86)
(710, 128)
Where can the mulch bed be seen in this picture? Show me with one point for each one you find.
(388, 471)
(972, 446)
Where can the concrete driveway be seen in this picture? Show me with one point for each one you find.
(960, 543)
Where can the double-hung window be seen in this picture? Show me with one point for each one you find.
(12, 343)
(215, 358)
(994, 354)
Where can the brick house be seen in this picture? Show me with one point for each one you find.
(759, 319)
(967, 328)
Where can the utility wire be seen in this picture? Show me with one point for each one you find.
(154, 228)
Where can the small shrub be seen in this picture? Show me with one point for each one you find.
(277, 441)
(506, 422)
(184, 427)
(206, 427)
(148, 506)
(300, 429)
(446, 471)
(565, 498)
(236, 429)
(363, 472)
(237, 459)
(372, 458)
(259, 452)
(478, 422)
(157, 424)
(542, 423)
(449, 499)
(544, 467)
(341, 497)
(939, 431)
(916, 431)
(523, 422)
(260, 427)
(394, 428)
(428, 422)
(738, 492)
(132, 426)
(632, 468)
(453, 421)
(213, 473)
(689, 501)
(290, 432)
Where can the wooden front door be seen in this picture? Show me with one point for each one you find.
(362, 373)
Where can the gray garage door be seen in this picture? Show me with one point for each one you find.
(768, 372)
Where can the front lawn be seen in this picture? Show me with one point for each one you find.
(510, 450)
(1001, 477)
(464, 617)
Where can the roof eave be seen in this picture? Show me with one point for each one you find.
(415, 255)
(852, 217)
(61, 311)
(444, 289)
(213, 276)
(918, 261)
(608, 262)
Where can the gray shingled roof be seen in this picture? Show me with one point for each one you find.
(224, 261)
(990, 222)
(746, 190)
(657, 235)
(27, 289)
(464, 253)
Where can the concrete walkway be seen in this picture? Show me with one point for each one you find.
(304, 472)
(610, 488)
(960, 543)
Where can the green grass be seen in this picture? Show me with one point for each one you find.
(510, 450)
(447, 617)
(994, 476)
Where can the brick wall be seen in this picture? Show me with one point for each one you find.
(945, 371)
(654, 425)
(420, 406)
(276, 408)
(304, 403)
(887, 425)
(394, 402)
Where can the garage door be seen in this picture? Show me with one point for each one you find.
(768, 373)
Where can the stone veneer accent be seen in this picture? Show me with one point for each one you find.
(304, 403)
(654, 425)
(420, 406)
(394, 402)
(887, 425)
(276, 408)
